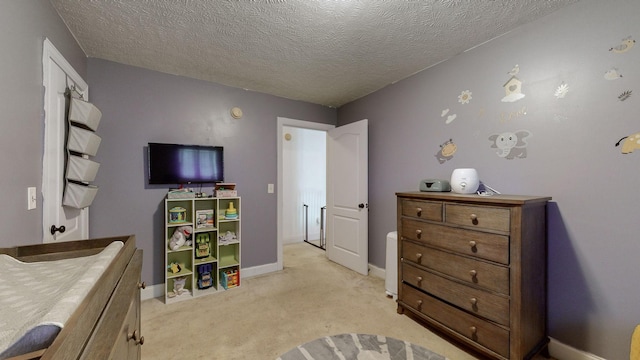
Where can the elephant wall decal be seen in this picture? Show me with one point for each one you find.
(511, 145)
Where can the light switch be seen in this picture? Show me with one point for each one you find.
(32, 198)
(270, 188)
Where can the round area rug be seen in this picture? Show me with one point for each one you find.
(359, 347)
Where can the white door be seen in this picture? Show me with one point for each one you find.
(57, 76)
(347, 196)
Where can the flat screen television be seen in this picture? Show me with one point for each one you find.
(185, 164)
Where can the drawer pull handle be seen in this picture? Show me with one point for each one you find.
(419, 279)
(418, 256)
(473, 273)
(473, 329)
(419, 304)
(418, 211)
(135, 336)
(142, 285)
(473, 217)
(472, 243)
(418, 232)
(473, 301)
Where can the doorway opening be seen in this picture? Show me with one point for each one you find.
(304, 167)
(301, 183)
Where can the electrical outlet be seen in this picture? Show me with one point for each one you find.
(32, 198)
(270, 188)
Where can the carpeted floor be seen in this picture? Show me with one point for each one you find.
(271, 314)
(360, 347)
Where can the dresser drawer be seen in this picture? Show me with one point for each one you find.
(489, 276)
(479, 217)
(487, 246)
(426, 210)
(478, 302)
(474, 329)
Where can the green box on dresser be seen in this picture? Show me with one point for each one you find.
(474, 268)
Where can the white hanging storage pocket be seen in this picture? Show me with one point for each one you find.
(83, 119)
(83, 141)
(81, 169)
(84, 113)
(79, 196)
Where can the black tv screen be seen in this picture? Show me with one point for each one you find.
(185, 164)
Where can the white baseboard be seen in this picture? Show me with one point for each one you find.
(152, 291)
(562, 351)
(157, 290)
(258, 270)
(377, 272)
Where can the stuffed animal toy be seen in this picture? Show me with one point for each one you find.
(178, 287)
(180, 237)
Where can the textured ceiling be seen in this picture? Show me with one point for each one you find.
(327, 52)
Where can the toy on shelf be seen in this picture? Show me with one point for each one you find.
(181, 237)
(205, 279)
(231, 212)
(225, 190)
(228, 238)
(203, 246)
(204, 218)
(174, 268)
(229, 278)
(177, 215)
(179, 287)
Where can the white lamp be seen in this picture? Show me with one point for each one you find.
(465, 181)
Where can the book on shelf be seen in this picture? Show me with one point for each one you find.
(204, 219)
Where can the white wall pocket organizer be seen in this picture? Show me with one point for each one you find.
(82, 142)
(79, 196)
(81, 169)
(85, 113)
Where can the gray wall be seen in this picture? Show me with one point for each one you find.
(593, 241)
(23, 27)
(593, 221)
(141, 106)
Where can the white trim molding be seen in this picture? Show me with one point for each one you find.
(157, 290)
(562, 351)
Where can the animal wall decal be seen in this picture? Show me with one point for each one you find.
(447, 149)
(631, 143)
(612, 74)
(626, 45)
(511, 145)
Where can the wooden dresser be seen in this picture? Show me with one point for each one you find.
(475, 269)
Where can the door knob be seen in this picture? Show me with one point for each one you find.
(361, 206)
(54, 229)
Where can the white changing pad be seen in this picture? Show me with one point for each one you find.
(36, 299)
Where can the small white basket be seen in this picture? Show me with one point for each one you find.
(85, 113)
(81, 169)
(79, 196)
(83, 141)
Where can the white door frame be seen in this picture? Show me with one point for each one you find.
(282, 122)
(52, 168)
